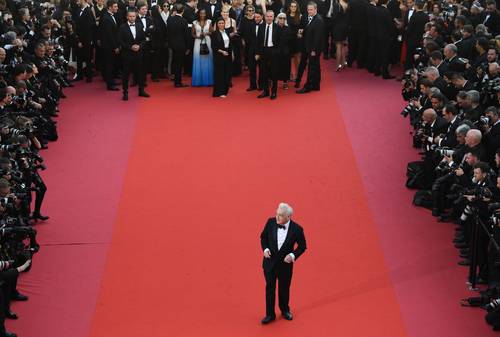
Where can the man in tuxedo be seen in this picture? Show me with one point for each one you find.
(146, 23)
(132, 39)
(268, 51)
(278, 240)
(85, 23)
(414, 30)
(314, 41)
(108, 26)
(213, 8)
(491, 18)
(251, 45)
(179, 37)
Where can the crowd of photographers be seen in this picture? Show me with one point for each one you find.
(452, 86)
(33, 75)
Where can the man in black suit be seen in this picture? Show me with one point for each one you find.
(268, 52)
(146, 23)
(213, 8)
(491, 138)
(449, 139)
(385, 32)
(179, 37)
(436, 60)
(84, 24)
(357, 32)
(327, 11)
(250, 37)
(491, 18)
(132, 39)
(452, 59)
(414, 31)
(313, 40)
(108, 27)
(278, 240)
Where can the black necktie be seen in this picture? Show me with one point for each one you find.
(281, 227)
(267, 36)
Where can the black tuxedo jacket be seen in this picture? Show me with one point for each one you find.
(149, 25)
(251, 37)
(108, 31)
(126, 39)
(415, 28)
(385, 29)
(450, 140)
(295, 243)
(217, 10)
(313, 35)
(189, 14)
(84, 24)
(178, 33)
(275, 35)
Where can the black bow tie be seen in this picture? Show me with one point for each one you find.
(281, 226)
(132, 25)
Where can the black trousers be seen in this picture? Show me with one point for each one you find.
(132, 64)
(302, 66)
(84, 55)
(177, 64)
(382, 56)
(355, 46)
(313, 72)
(40, 192)
(222, 75)
(252, 69)
(270, 69)
(109, 66)
(160, 58)
(282, 273)
(329, 46)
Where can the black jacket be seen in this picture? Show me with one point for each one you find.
(276, 36)
(415, 29)
(269, 239)
(126, 39)
(108, 31)
(178, 33)
(313, 35)
(84, 24)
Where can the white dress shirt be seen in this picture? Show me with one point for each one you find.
(225, 38)
(132, 29)
(269, 29)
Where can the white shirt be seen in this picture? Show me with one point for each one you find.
(330, 11)
(410, 14)
(281, 237)
(212, 9)
(132, 29)
(113, 17)
(225, 38)
(269, 35)
(257, 29)
(143, 20)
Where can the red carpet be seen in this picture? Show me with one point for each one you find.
(160, 235)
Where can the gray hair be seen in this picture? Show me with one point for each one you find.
(434, 91)
(462, 129)
(432, 71)
(474, 96)
(451, 47)
(285, 208)
(476, 134)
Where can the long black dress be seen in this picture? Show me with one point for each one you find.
(222, 65)
(284, 46)
(294, 27)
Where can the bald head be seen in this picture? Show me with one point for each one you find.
(473, 137)
(429, 115)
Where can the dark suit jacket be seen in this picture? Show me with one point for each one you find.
(108, 31)
(248, 34)
(84, 26)
(126, 40)
(269, 239)
(313, 35)
(493, 23)
(149, 25)
(189, 14)
(415, 29)
(178, 33)
(276, 36)
(451, 138)
(385, 29)
(217, 10)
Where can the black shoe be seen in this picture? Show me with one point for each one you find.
(143, 94)
(181, 85)
(125, 96)
(264, 94)
(9, 314)
(19, 297)
(10, 334)
(251, 88)
(113, 89)
(268, 319)
(38, 216)
(303, 91)
(464, 262)
(287, 315)
(274, 96)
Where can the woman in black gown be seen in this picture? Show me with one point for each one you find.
(340, 30)
(284, 47)
(293, 19)
(221, 47)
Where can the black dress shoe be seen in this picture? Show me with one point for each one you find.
(113, 89)
(303, 91)
(143, 94)
(38, 216)
(9, 314)
(287, 315)
(268, 319)
(251, 88)
(10, 334)
(274, 96)
(19, 297)
(125, 96)
(181, 85)
(264, 94)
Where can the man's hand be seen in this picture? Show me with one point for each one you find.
(135, 47)
(288, 259)
(257, 57)
(437, 140)
(267, 253)
(80, 45)
(459, 172)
